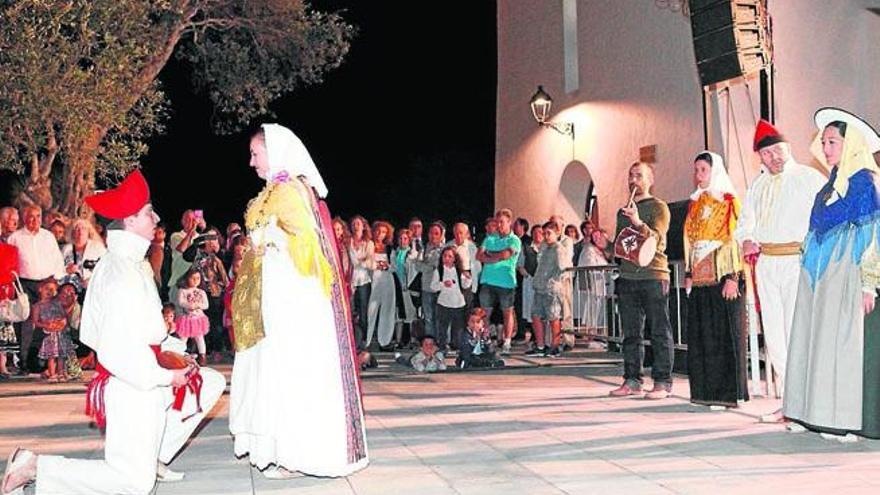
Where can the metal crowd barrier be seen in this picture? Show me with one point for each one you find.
(596, 315)
(595, 311)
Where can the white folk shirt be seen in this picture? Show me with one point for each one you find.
(38, 254)
(122, 314)
(777, 207)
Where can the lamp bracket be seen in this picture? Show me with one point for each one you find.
(564, 128)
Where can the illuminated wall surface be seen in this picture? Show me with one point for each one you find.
(638, 86)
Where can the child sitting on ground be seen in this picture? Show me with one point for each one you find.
(475, 347)
(427, 360)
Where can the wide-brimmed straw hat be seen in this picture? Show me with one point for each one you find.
(827, 115)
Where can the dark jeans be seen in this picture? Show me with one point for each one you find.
(640, 302)
(359, 304)
(449, 320)
(429, 312)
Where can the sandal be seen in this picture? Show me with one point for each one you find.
(16, 460)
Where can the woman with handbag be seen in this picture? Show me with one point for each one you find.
(14, 305)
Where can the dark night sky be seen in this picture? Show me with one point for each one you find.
(406, 126)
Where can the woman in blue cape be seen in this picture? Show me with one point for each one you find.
(833, 371)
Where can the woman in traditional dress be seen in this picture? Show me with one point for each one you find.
(716, 340)
(295, 400)
(833, 372)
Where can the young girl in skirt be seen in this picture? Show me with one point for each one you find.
(49, 316)
(192, 303)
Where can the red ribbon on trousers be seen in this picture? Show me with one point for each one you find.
(95, 392)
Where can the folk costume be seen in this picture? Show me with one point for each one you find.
(773, 216)
(716, 340)
(834, 353)
(295, 399)
(131, 393)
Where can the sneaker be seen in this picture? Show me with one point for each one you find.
(626, 390)
(774, 417)
(659, 391)
(553, 352)
(793, 427)
(536, 351)
(165, 475)
(505, 349)
(717, 408)
(848, 438)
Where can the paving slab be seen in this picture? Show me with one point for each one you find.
(539, 426)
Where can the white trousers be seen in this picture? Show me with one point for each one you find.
(141, 430)
(777, 289)
(382, 310)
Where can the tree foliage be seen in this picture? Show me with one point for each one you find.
(79, 90)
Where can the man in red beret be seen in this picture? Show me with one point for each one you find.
(775, 218)
(131, 393)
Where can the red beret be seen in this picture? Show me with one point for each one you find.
(123, 201)
(766, 135)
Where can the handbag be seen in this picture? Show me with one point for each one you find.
(416, 284)
(18, 309)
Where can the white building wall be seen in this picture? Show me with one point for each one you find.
(639, 86)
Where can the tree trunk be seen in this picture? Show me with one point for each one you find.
(78, 179)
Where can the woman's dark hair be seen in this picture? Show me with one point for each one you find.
(840, 125)
(706, 157)
(441, 268)
(522, 222)
(259, 132)
(184, 279)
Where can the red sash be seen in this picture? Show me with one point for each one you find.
(95, 392)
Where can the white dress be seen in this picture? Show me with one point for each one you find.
(382, 310)
(287, 403)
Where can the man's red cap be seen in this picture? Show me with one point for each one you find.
(124, 200)
(766, 135)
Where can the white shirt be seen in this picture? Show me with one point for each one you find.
(467, 252)
(777, 207)
(449, 297)
(122, 313)
(361, 262)
(93, 252)
(38, 254)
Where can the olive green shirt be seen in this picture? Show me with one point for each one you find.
(655, 217)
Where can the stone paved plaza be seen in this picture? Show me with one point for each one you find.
(541, 426)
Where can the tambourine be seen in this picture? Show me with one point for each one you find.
(635, 247)
(171, 360)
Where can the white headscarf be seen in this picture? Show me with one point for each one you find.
(287, 153)
(719, 182)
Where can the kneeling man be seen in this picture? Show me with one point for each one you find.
(149, 411)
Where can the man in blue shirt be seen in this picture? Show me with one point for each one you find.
(499, 254)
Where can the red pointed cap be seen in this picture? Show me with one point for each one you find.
(766, 135)
(124, 200)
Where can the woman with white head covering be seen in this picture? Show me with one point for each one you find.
(833, 371)
(713, 266)
(295, 401)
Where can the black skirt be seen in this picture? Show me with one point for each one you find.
(716, 347)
